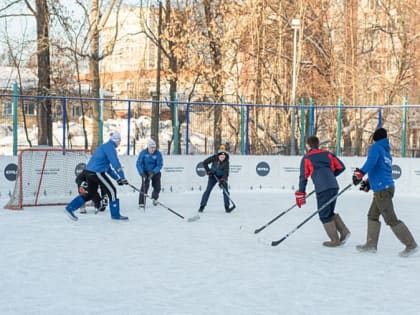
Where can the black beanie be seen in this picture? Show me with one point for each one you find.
(379, 134)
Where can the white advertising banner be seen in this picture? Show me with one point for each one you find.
(185, 173)
(8, 166)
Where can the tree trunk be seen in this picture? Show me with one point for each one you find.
(44, 69)
(94, 71)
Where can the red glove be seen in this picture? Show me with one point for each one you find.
(300, 198)
(357, 176)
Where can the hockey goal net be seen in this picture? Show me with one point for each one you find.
(46, 176)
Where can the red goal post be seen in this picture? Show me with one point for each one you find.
(46, 176)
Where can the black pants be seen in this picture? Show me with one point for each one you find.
(145, 188)
(96, 180)
(326, 214)
(210, 184)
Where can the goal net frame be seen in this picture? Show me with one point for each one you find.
(46, 177)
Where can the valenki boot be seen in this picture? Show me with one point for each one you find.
(331, 230)
(403, 234)
(373, 229)
(341, 228)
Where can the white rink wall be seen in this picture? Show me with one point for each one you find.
(182, 173)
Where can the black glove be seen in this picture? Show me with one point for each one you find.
(364, 185)
(150, 175)
(357, 176)
(122, 181)
(222, 182)
(211, 173)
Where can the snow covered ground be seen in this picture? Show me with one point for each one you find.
(157, 263)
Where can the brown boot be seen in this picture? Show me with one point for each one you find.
(331, 230)
(341, 228)
(373, 229)
(405, 237)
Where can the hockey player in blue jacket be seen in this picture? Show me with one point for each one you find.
(378, 167)
(103, 161)
(149, 163)
(323, 167)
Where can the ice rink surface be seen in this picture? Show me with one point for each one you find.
(157, 263)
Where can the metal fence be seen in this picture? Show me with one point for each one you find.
(245, 128)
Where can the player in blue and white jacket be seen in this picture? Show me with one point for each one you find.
(323, 167)
(378, 167)
(149, 164)
(103, 161)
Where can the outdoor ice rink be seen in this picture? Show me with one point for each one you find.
(157, 263)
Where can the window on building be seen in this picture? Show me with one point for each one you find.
(58, 111)
(29, 109)
(76, 110)
(7, 109)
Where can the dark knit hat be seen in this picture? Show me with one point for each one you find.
(379, 134)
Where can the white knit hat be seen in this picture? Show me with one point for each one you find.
(151, 143)
(115, 136)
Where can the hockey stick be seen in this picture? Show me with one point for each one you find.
(143, 185)
(157, 202)
(275, 243)
(279, 216)
(230, 209)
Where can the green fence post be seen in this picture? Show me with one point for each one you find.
(311, 117)
(404, 127)
(302, 126)
(338, 143)
(15, 118)
(101, 117)
(176, 126)
(242, 146)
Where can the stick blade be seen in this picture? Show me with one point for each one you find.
(194, 218)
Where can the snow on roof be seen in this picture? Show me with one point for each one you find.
(9, 75)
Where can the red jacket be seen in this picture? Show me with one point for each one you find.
(322, 166)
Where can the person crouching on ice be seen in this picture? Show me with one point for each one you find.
(218, 172)
(103, 161)
(323, 167)
(82, 186)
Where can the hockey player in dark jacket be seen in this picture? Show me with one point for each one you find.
(323, 167)
(217, 168)
(99, 202)
(378, 167)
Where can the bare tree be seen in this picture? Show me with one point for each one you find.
(44, 113)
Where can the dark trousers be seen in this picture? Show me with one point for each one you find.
(382, 205)
(210, 184)
(326, 214)
(101, 180)
(145, 183)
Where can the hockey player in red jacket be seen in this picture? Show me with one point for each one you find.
(323, 167)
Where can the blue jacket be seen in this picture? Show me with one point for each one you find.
(378, 165)
(105, 159)
(147, 162)
(322, 166)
